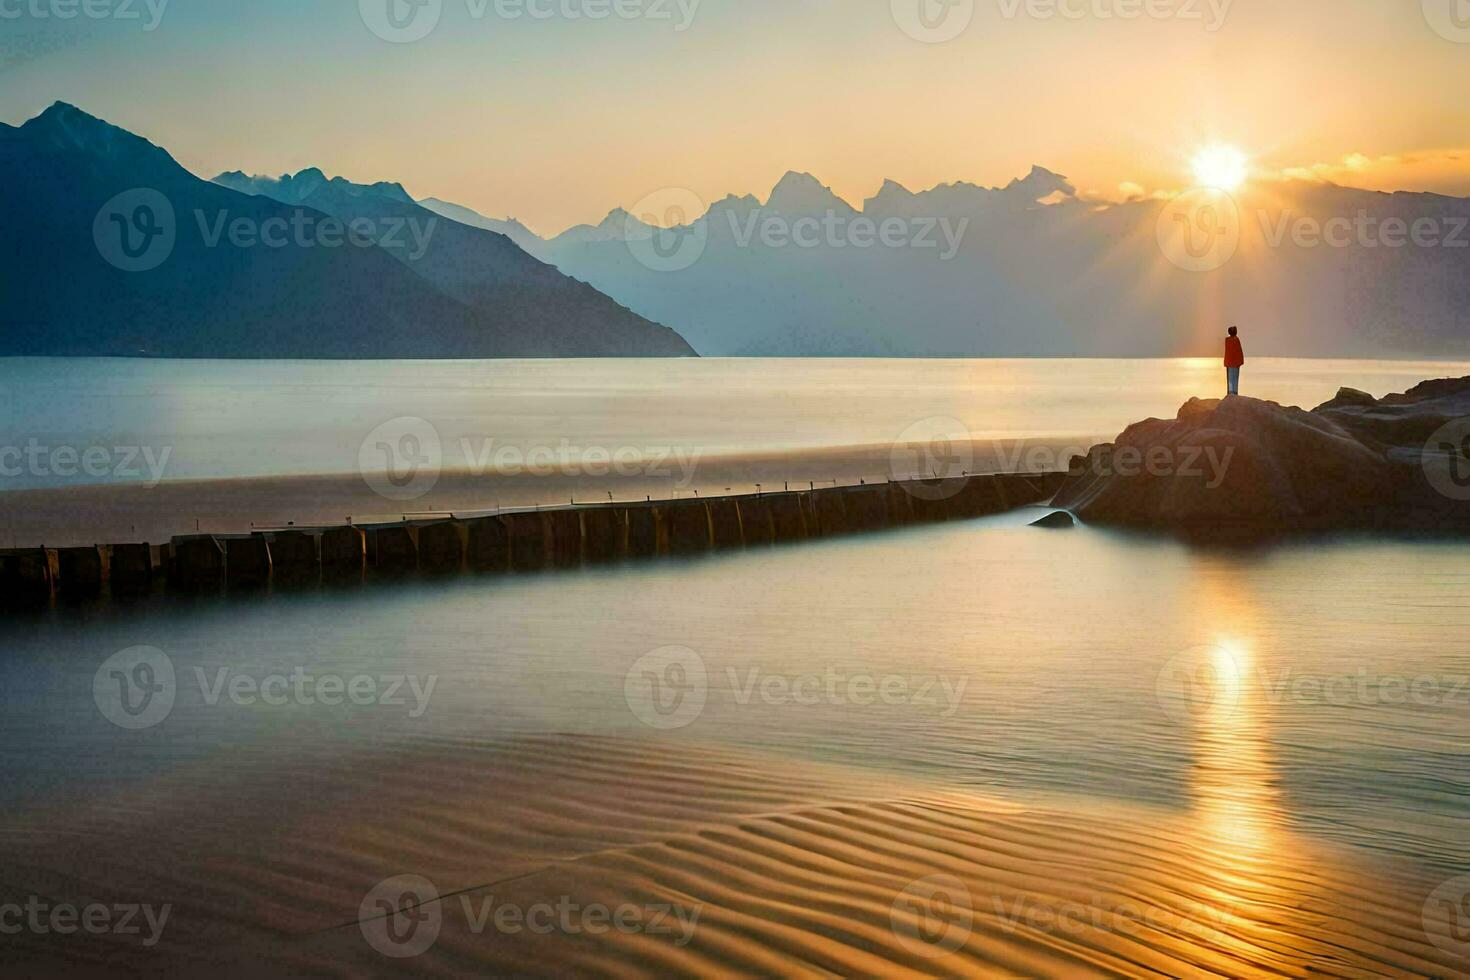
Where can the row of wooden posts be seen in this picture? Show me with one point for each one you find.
(521, 541)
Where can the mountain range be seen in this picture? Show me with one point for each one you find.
(1032, 268)
(110, 247)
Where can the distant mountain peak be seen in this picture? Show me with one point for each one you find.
(469, 293)
(616, 220)
(62, 111)
(469, 216)
(65, 127)
(615, 227)
(801, 193)
(735, 202)
(509, 225)
(298, 188)
(888, 196)
(1040, 183)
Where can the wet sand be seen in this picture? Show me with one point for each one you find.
(751, 864)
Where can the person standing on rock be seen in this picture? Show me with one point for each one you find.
(1234, 361)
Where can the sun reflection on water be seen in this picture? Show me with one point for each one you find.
(1234, 781)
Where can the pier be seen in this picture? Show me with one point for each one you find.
(504, 543)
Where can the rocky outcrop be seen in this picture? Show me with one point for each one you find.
(1401, 425)
(1243, 464)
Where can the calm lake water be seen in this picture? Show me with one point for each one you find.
(220, 419)
(1319, 686)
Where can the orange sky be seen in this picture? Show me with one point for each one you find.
(556, 120)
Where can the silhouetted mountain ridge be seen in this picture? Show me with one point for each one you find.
(110, 247)
(479, 267)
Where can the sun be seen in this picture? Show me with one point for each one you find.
(1221, 167)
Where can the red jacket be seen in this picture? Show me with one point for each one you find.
(1234, 353)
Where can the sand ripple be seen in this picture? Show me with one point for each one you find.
(719, 863)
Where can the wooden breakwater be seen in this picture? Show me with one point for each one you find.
(522, 541)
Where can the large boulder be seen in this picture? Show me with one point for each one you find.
(1243, 463)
